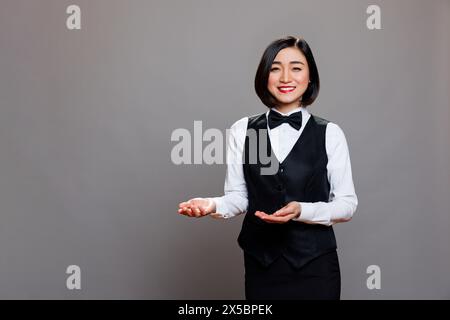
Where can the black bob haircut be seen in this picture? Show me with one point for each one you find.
(262, 74)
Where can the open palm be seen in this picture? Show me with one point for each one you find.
(197, 207)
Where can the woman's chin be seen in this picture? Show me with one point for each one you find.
(286, 100)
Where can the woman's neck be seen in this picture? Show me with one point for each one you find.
(287, 109)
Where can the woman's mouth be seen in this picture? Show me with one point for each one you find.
(286, 89)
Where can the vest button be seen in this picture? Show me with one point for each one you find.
(281, 170)
(279, 187)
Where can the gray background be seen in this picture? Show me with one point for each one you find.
(86, 118)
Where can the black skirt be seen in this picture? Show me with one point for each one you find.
(319, 279)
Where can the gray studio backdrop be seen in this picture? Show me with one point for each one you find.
(86, 118)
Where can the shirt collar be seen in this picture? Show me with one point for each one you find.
(302, 109)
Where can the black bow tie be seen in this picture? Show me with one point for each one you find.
(294, 120)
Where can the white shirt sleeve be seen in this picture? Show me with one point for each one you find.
(343, 200)
(235, 200)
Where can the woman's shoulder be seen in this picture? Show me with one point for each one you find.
(334, 136)
(319, 120)
(243, 122)
(331, 126)
(334, 129)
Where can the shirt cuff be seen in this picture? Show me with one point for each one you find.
(307, 213)
(220, 208)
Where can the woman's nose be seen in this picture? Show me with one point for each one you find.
(285, 77)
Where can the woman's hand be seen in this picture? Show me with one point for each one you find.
(197, 207)
(290, 211)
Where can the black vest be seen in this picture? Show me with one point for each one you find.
(301, 176)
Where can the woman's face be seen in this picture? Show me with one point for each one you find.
(288, 77)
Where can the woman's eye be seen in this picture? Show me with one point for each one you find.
(296, 69)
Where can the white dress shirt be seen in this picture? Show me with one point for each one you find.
(342, 200)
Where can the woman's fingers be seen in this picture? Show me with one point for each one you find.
(184, 204)
(196, 207)
(201, 211)
(283, 212)
(272, 218)
(192, 211)
(195, 211)
(185, 209)
(292, 208)
(261, 215)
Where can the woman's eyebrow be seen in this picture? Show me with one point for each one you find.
(292, 62)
